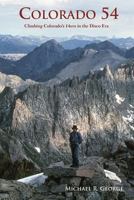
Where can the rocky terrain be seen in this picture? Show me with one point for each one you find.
(36, 122)
(97, 178)
(36, 118)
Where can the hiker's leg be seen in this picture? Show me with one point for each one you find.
(76, 156)
(73, 155)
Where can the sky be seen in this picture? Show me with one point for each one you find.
(11, 23)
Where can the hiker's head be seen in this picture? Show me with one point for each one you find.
(74, 128)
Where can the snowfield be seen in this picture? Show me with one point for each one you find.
(12, 56)
(119, 99)
(112, 176)
(35, 180)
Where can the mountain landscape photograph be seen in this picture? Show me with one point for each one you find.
(54, 81)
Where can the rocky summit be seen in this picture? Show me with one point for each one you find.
(97, 178)
(89, 181)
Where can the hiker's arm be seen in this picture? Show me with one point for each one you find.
(70, 138)
(80, 138)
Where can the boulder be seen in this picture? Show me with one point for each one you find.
(72, 181)
(58, 188)
(93, 196)
(13, 190)
(58, 164)
(131, 181)
(83, 171)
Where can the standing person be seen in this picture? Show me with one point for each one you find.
(75, 140)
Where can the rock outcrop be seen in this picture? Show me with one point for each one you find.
(91, 184)
(14, 82)
(11, 190)
(97, 177)
(87, 182)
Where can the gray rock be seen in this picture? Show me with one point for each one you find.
(83, 171)
(14, 82)
(69, 194)
(58, 164)
(93, 196)
(12, 190)
(131, 181)
(71, 181)
(58, 188)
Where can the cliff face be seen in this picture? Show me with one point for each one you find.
(40, 118)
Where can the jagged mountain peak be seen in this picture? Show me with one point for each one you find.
(48, 47)
(103, 44)
(52, 43)
(107, 71)
(40, 59)
(125, 71)
(107, 44)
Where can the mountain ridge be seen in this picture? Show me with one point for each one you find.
(50, 58)
(25, 44)
(42, 116)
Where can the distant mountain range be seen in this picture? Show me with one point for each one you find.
(51, 62)
(16, 44)
(75, 43)
(25, 44)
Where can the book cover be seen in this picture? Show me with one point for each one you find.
(66, 100)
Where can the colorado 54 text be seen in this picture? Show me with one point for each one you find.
(28, 13)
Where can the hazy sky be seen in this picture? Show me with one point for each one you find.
(11, 23)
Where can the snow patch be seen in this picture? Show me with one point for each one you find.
(112, 176)
(132, 127)
(130, 116)
(127, 119)
(35, 180)
(37, 149)
(131, 106)
(119, 99)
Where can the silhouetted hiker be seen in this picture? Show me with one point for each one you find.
(75, 140)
